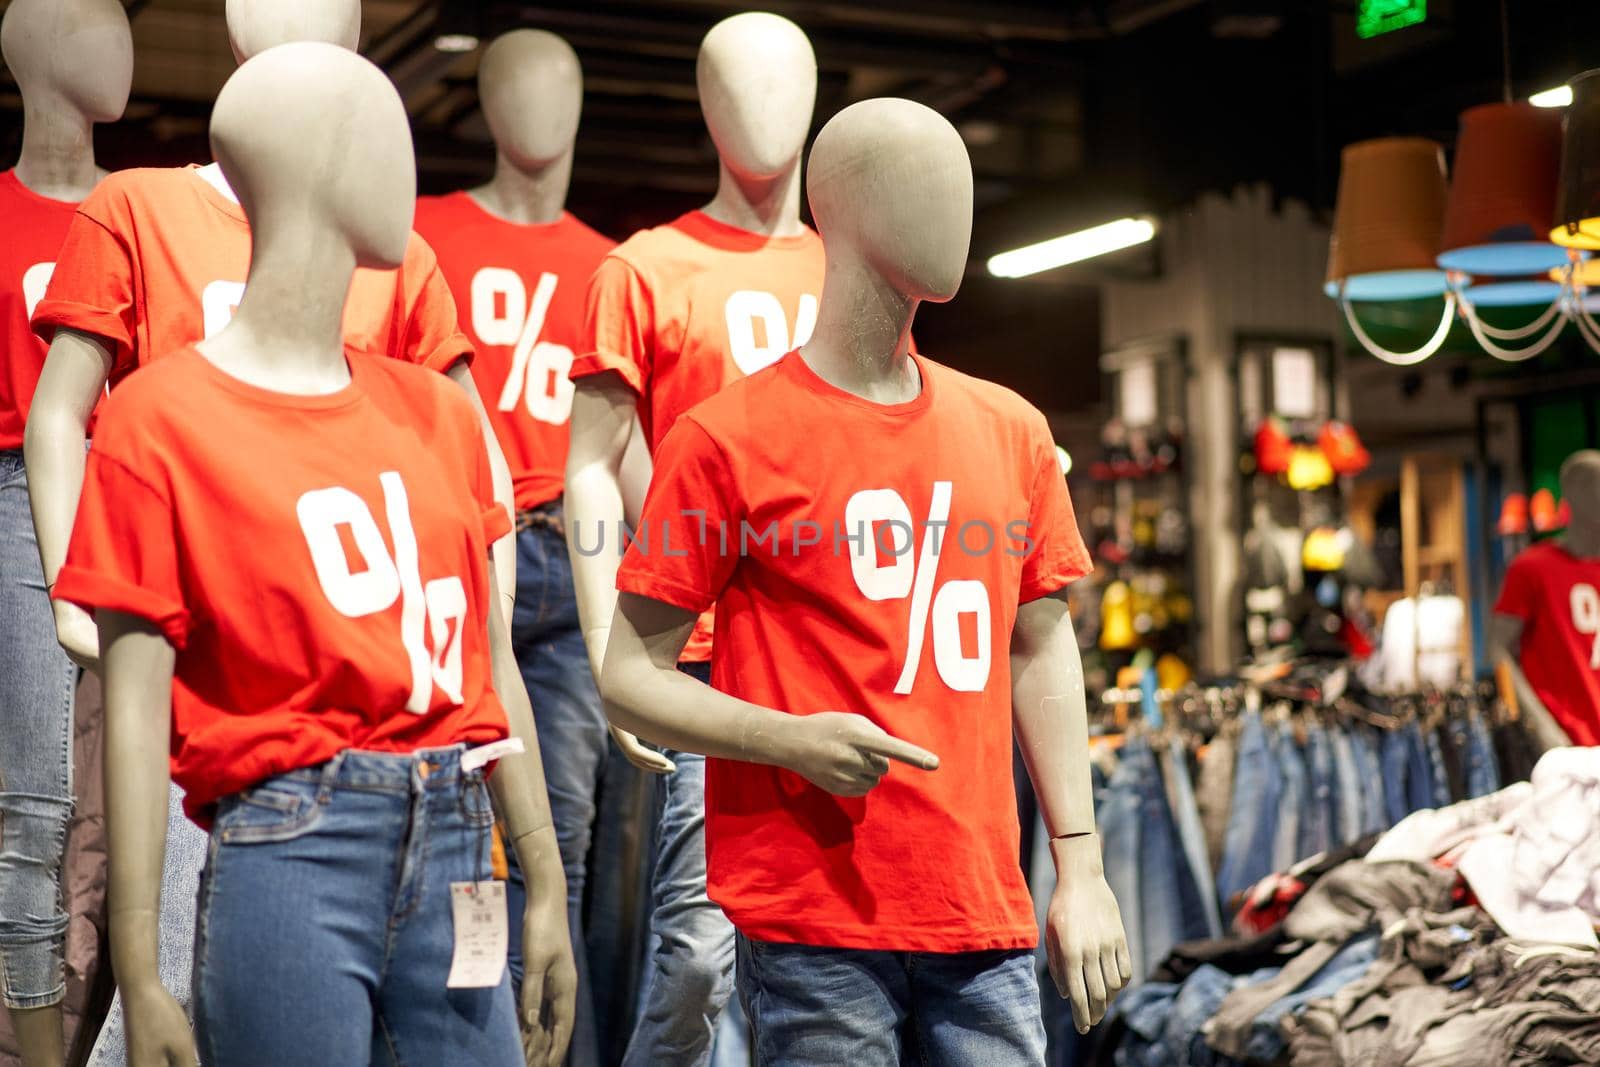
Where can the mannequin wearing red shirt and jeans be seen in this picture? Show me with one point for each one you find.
(867, 856)
(1546, 624)
(330, 691)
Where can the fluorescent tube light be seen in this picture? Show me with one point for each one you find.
(455, 42)
(1071, 248)
(1560, 96)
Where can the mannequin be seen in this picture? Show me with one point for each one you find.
(56, 169)
(323, 199)
(830, 904)
(1543, 625)
(518, 263)
(674, 314)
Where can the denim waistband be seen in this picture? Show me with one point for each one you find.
(10, 461)
(428, 769)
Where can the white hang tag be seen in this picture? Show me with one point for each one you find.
(483, 755)
(479, 911)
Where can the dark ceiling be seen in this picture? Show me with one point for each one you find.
(1075, 111)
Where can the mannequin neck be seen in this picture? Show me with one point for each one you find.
(287, 334)
(528, 197)
(768, 206)
(57, 158)
(1582, 540)
(862, 340)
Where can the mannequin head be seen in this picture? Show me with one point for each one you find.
(758, 84)
(1580, 487)
(312, 135)
(890, 186)
(79, 52)
(531, 87)
(257, 25)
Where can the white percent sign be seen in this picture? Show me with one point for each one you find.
(873, 511)
(1586, 618)
(502, 315)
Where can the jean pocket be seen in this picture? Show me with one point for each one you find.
(477, 807)
(264, 814)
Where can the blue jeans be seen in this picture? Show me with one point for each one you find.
(1121, 823)
(326, 929)
(1169, 898)
(688, 977)
(1438, 777)
(1370, 766)
(573, 744)
(1483, 774)
(1296, 798)
(36, 683)
(1419, 769)
(1191, 837)
(1253, 815)
(1348, 790)
(1317, 824)
(1266, 1042)
(830, 1007)
(1396, 756)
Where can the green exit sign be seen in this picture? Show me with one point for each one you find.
(1384, 16)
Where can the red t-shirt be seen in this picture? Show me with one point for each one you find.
(681, 310)
(318, 562)
(1557, 597)
(875, 558)
(520, 293)
(155, 260)
(34, 226)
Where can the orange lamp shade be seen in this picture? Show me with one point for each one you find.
(1387, 222)
(1503, 192)
(1577, 218)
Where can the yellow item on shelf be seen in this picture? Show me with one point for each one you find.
(1323, 550)
(1116, 618)
(1309, 468)
(1172, 674)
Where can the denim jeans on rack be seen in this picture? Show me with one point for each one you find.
(1483, 771)
(1169, 899)
(1348, 788)
(1366, 746)
(1120, 829)
(1437, 778)
(325, 931)
(1317, 823)
(1295, 800)
(1253, 816)
(1396, 757)
(36, 683)
(1419, 770)
(1191, 836)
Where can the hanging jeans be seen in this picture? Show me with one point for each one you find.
(1419, 770)
(1396, 756)
(1253, 815)
(1483, 770)
(1121, 828)
(1296, 799)
(1191, 835)
(326, 925)
(1169, 897)
(1317, 824)
(1348, 786)
(36, 683)
(1438, 780)
(1366, 747)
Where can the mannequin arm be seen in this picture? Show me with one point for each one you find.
(1087, 947)
(1505, 646)
(603, 473)
(74, 376)
(644, 691)
(504, 550)
(138, 711)
(550, 985)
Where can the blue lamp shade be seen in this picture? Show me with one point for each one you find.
(1512, 292)
(1503, 192)
(1387, 222)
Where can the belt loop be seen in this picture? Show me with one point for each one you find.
(330, 777)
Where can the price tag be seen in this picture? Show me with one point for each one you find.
(479, 911)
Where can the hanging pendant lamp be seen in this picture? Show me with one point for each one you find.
(1502, 196)
(1386, 228)
(1577, 218)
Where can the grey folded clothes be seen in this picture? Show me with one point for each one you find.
(1352, 899)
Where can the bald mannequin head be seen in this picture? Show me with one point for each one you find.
(531, 88)
(1580, 486)
(757, 77)
(79, 52)
(257, 25)
(890, 186)
(314, 138)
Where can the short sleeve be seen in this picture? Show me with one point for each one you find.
(1056, 555)
(619, 324)
(1519, 592)
(123, 555)
(433, 336)
(688, 539)
(92, 287)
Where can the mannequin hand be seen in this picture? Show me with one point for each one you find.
(645, 759)
(1084, 938)
(848, 754)
(550, 978)
(76, 631)
(158, 1031)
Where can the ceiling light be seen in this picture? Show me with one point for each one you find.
(1072, 248)
(1560, 96)
(455, 42)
